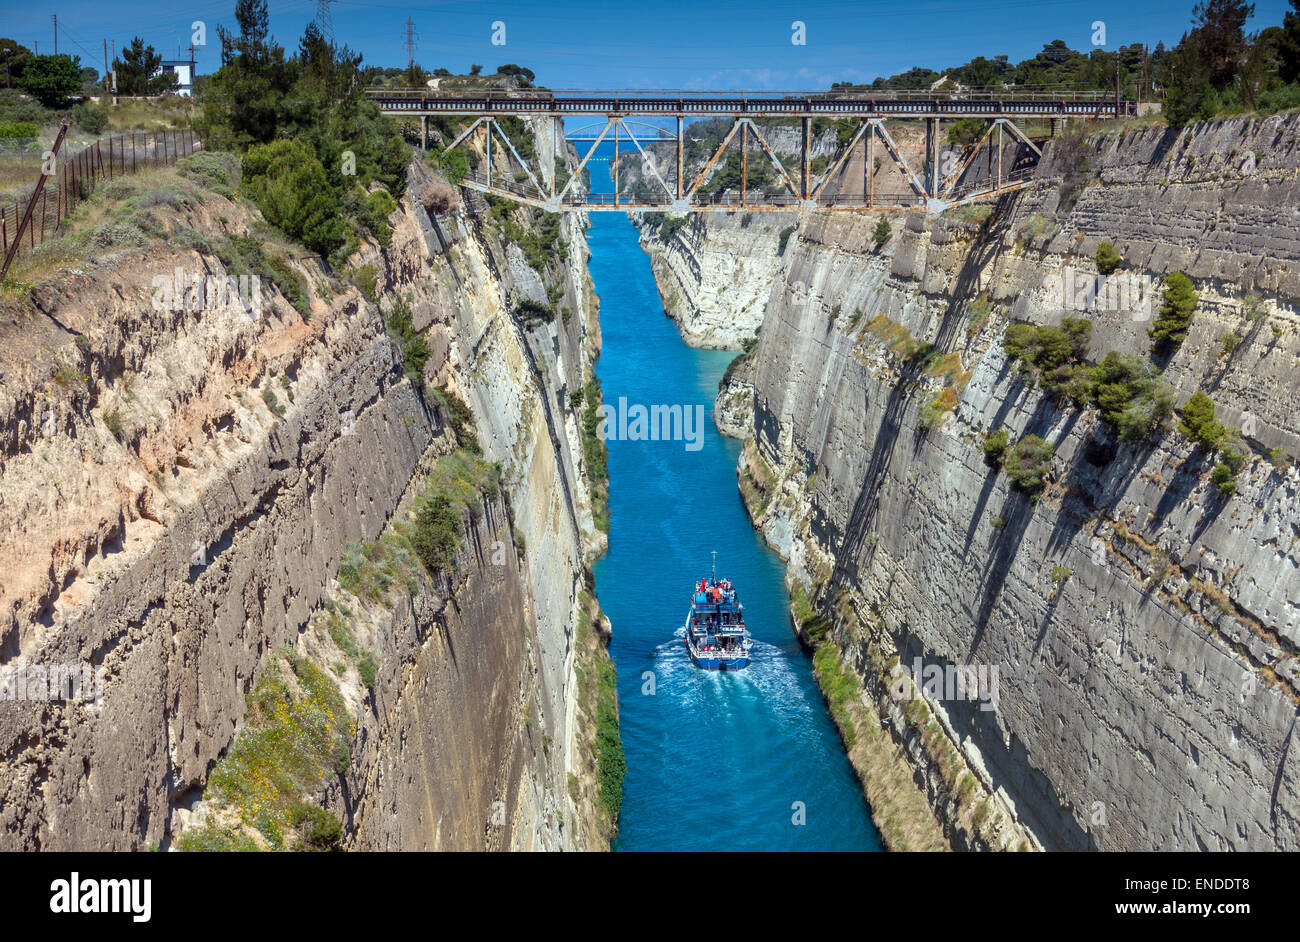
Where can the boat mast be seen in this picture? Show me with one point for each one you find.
(715, 564)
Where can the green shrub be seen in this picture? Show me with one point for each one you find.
(212, 168)
(783, 238)
(113, 422)
(437, 533)
(317, 829)
(415, 351)
(1224, 479)
(289, 186)
(453, 164)
(1280, 459)
(461, 419)
(1131, 397)
(883, 232)
(994, 446)
(1233, 453)
(1027, 463)
(17, 130)
(531, 313)
(376, 208)
(90, 118)
(1176, 310)
(1199, 424)
(51, 79)
(211, 838)
(369, 670)
(367, 279)
(1229, 342)
(1107, 258)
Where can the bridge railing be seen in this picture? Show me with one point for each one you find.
(1031, 93)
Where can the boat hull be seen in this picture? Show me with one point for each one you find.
(712, 662)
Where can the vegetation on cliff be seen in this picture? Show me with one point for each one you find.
(296, 732)
(598, 711)
(313, 146)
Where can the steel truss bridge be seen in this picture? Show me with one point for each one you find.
(616, 113)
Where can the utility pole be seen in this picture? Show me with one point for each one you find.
(194, 79)
(409, 42)
(106, 75)
(54, 17)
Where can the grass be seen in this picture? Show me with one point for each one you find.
(213, 838)
(811, 624)
(296, 733)
(840, 687)
(937, 408)
(458, 486)
(598, 705)
(596, 453)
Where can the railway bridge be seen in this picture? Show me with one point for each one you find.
(661, 116)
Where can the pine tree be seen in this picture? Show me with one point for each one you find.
(139, 71)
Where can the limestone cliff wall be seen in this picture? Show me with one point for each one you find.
(715, 276)
(1146, 627)
(178, 487)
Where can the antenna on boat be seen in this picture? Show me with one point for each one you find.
(715, 564)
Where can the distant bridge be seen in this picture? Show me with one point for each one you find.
(931, 189)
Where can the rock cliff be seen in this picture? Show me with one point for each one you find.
(191, 498)
(1144, 626)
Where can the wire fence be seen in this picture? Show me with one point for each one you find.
(77, 175)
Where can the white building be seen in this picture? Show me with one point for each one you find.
(184, 71)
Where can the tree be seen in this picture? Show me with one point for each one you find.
(1199, 423)
(1288, 46)
(1221, 39)
(51, 79)
(139, 71)
(883, 231)
(1186, 79)
(1176, 310)
(478, 69)
(1107, 258)
(994, 447)
(13, 59)
(525, 76)
(1027, 463)
(289, 186)
(1130, 396)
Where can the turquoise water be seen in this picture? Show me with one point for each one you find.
(715, 761)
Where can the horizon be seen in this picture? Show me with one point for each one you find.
(587, 45)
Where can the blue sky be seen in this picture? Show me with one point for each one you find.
(597, 43)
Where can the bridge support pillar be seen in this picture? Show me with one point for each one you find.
(424, 132)
(679, 158)
(931, 157)
(804, 183)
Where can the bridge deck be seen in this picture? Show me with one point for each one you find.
(757, 105)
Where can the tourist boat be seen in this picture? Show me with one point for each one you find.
(715, 626)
